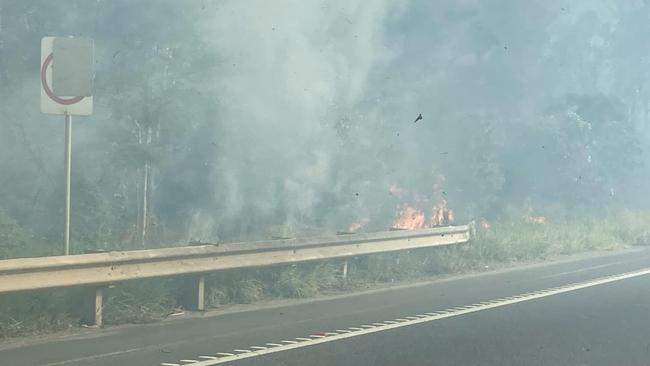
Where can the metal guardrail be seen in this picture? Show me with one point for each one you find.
(101, 269)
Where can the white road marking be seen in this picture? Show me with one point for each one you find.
(258, 347)
(208, 357)
(274, 344)
(583, 269)
(438, 316)
(96, 357)
(226, 354)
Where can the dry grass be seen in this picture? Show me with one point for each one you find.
(507, 242)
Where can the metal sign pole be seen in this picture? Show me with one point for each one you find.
(67, 89)
(68, 163)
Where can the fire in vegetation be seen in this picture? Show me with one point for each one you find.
(535, 219)
(414, 215)
(409, 218)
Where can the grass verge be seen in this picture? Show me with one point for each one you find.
(508, 242)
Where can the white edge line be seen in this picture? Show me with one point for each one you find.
(503, 302)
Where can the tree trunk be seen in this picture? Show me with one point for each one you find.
(145, 193)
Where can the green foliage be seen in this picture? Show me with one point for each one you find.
(292, 283)
(140, 301)
(37, 312)
(503, 243)
(304, 280)
(15, 241)
(556, 120)
(237, 286)
(518, 240)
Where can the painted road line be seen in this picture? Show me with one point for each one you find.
(448, 314)
(584, 269)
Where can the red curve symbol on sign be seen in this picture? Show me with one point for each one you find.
(47, 89)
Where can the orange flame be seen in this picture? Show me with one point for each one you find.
(485, 224)
(535, 219)
(409, 218)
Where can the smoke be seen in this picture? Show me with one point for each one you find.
(291, 117)
(283, 78)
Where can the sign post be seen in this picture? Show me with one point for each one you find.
(66, 88)
(67, 169)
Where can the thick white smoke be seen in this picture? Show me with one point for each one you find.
(283, 77)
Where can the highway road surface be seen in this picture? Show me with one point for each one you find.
(588, 310)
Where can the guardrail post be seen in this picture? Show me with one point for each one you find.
(193, 297)
(472, 230)
(93, 307)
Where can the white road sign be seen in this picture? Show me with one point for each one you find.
(67, 75)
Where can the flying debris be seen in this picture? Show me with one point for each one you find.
(419, 118)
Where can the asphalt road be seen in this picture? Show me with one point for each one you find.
(607, 324)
